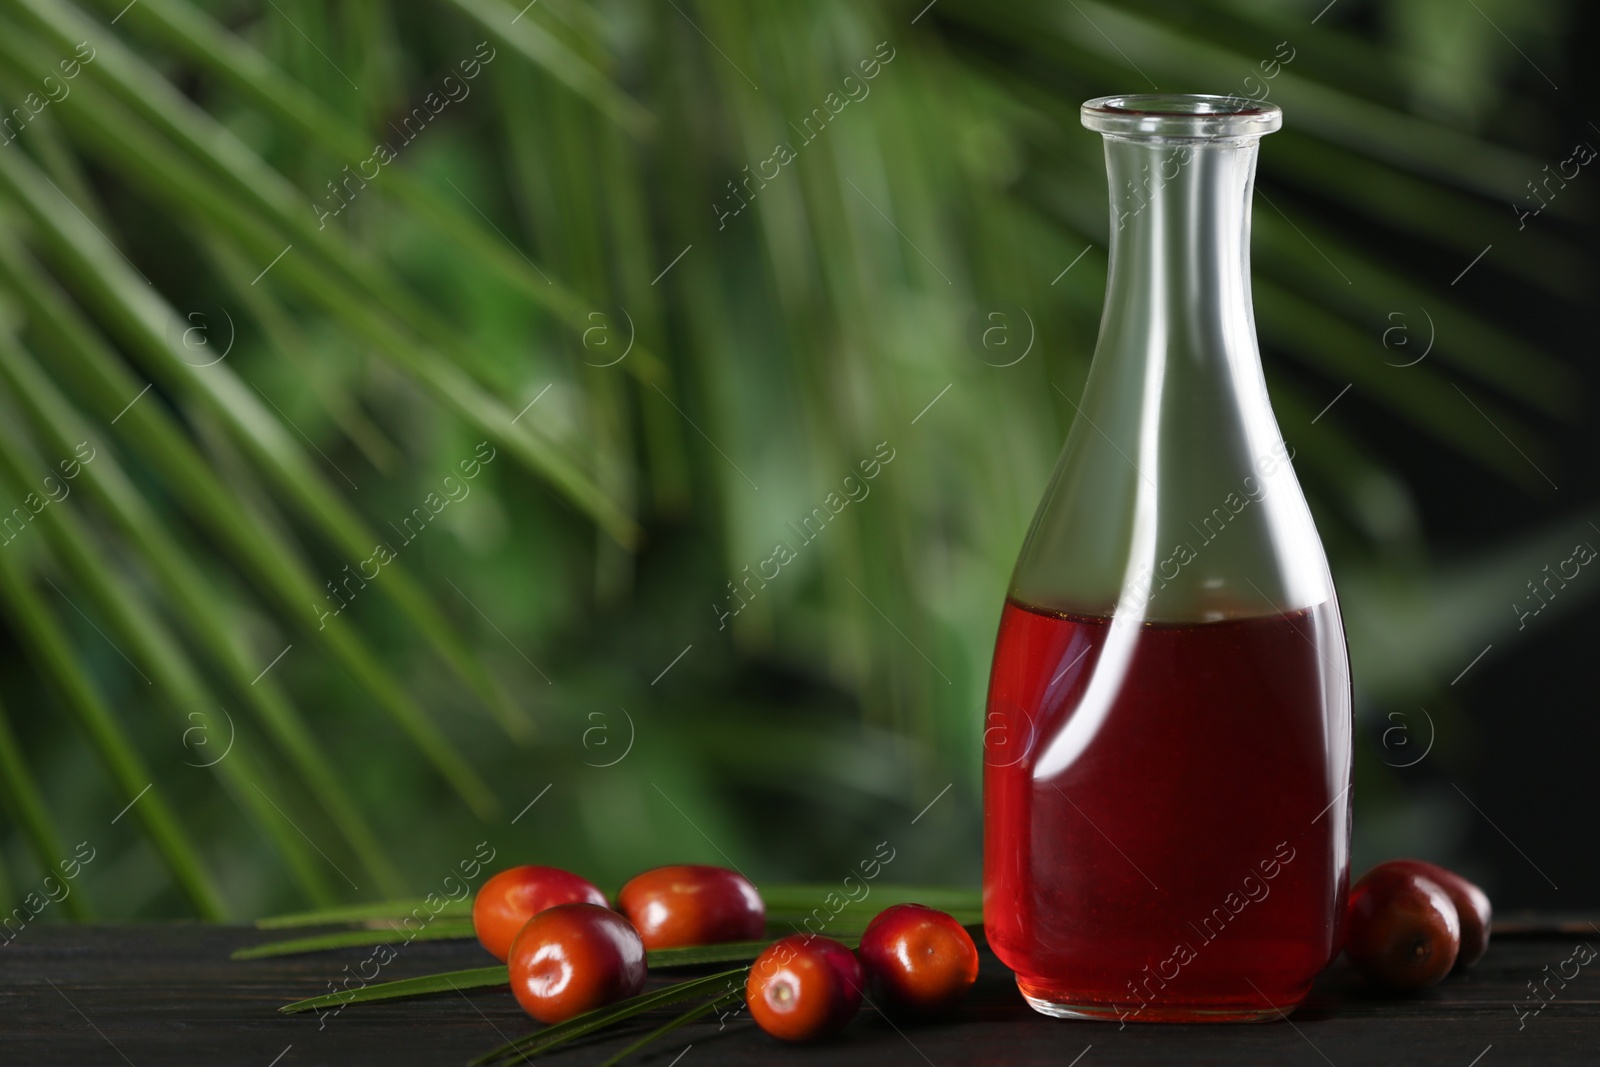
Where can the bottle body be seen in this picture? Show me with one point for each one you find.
(1178, 869)
(1167, 743)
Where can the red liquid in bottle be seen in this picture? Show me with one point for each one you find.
(1161, 841)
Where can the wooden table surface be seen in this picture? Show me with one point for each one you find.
(167, 995)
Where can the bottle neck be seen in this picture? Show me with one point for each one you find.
(1179, 278)
(1174, 499)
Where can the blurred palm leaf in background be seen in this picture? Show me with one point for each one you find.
(582, 313)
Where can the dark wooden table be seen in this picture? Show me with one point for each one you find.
(167, 995)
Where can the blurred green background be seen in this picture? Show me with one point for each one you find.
(579, 345)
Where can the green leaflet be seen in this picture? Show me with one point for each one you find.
(475, 978)
(435, 931)
(542, 48)
(681, 1020)
(493, 976)
(27, 807)
(388, 910)
(587, 1023)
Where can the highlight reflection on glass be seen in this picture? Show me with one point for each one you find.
(1167, 757)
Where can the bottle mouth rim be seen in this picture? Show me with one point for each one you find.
(1186, 115)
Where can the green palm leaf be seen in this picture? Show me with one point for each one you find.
(545, 50)
(133, 780)
(201, 41)
(208, 625)
(150, 432)
(28, 808)
(154, 649)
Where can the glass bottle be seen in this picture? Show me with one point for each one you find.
(1167, 742)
